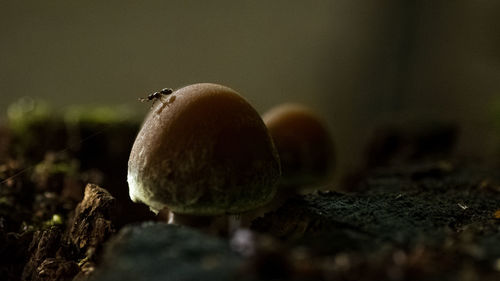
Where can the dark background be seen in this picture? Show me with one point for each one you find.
(358, 63)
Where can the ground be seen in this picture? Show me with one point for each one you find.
(414, 211)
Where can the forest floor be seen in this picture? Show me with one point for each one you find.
(65, 214)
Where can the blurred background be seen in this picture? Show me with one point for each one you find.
(360, 64)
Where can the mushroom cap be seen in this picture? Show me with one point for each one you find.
(305, 146)
(203, 150)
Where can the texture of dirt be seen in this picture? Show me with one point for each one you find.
(65, 215)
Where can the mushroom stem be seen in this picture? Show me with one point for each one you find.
(216, 225)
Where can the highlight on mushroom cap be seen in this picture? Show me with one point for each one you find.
(204, 151)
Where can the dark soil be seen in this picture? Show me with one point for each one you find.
(413, 212)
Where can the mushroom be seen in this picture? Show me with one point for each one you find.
(203, 151)
(304, 145)
(306, 152)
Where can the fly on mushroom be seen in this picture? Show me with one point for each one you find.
(156, 96)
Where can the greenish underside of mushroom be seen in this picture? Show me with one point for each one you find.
(210, 203)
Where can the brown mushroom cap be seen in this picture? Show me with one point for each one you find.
(304, 144)
(203, 150)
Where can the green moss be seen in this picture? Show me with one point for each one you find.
(99, 115)
(52, 168)
(37, 127)
(28, 227)
(22, 114)
(25, 112)
(55, 220)
(5, 201)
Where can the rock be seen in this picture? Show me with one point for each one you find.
(413, 222)
(305, 217)
(43, 247)
(266, 258)
(157, 251)
(395, 206)
(93, 220)
(93, 223)
(56, 269)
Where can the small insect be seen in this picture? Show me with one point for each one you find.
(156, 96)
